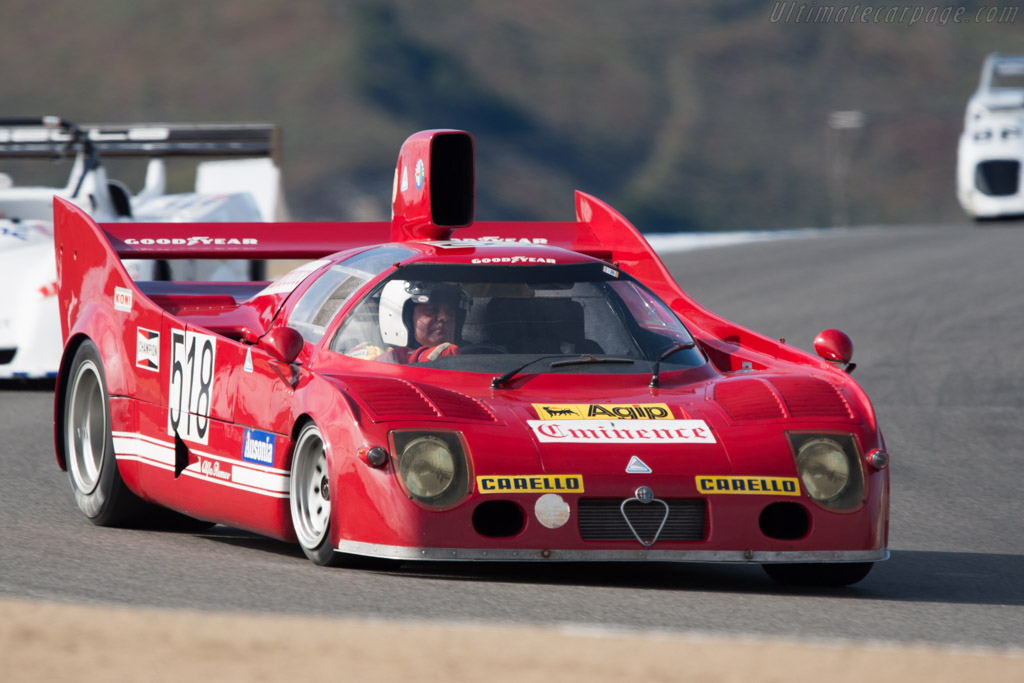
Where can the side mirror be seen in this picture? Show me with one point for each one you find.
(836, 347)
(282, 343)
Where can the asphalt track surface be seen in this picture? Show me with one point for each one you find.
(937, 319)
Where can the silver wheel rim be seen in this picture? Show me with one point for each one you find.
(310, 495)
(86, 427)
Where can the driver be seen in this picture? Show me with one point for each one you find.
(421, 320)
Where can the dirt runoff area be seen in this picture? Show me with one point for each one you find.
(42, 641)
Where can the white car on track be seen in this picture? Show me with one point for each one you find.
(992, 144)
(242, 185)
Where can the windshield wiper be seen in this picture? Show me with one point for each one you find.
(678, 346)
(499, 381)
(587, 359)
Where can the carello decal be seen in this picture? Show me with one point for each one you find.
(530, 483)
(599, 411)
(763, 486)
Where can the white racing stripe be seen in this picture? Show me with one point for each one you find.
(146, 450)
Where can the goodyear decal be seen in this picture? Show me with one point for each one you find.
(771, 486)
(595, 411)
(530, 483)
(258, 447)
(622, 431)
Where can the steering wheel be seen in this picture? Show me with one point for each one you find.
(482, 348)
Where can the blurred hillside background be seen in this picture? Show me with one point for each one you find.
(705, 115)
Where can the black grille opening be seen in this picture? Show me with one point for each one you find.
(785, 521)
(998, 178)
(601, 519)
(498, 519)
(7, 355)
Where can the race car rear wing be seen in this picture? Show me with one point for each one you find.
(433, 197)
(50, 136)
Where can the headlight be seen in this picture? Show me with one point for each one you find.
(830, 469)
(823, 468)
(432, 465)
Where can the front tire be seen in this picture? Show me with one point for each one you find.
(819, 575)
(99, 490)
(311, 498)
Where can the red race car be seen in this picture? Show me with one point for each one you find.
(434, 388)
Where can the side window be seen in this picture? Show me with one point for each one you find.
(321, 302)
(359, 336)
(648, 313)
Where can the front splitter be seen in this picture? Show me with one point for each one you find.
(638, 555)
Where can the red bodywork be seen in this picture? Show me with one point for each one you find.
(221, 345)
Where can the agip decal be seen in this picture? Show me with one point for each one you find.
(597, 411)
(190, 390)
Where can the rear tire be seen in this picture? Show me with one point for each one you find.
(821, 575)
(99, 490)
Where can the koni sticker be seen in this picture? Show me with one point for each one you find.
(190, 390)
(762, 486)
(530, 483)
(122, 299)
(622, 431)
(596, 411)
(147, 349)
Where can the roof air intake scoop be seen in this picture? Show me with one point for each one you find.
(435, 186)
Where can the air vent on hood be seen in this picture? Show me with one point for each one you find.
(748, 399)
(455, 405)
(396, 399)
(812, 397)
(774, 398)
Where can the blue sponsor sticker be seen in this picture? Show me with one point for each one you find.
(258, 447)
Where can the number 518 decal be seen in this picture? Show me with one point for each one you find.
(191, 386)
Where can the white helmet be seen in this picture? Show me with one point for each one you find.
(398, 298)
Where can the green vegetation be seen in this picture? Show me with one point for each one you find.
(706, 116)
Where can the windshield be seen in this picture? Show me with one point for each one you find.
(491, 318)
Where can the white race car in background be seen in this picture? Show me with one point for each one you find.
(244, 188)
(992, 144)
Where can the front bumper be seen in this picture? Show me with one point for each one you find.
(638, 555)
